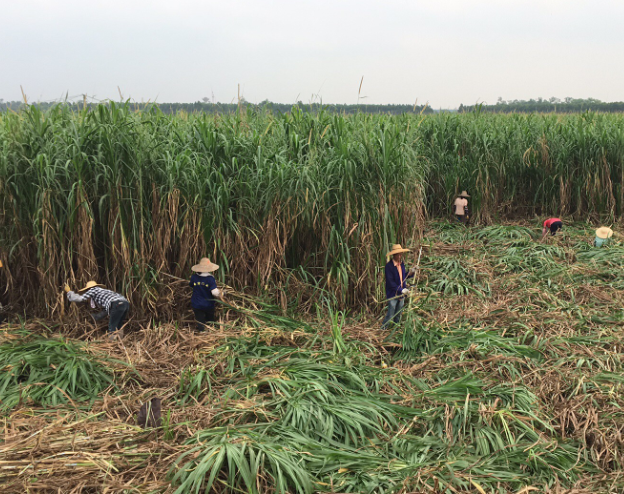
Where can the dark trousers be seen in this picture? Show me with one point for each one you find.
(117, 314)
(557, 225)
(202, 316)
(461, 218)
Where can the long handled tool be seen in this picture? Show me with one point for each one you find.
(418, 264)
(230, 291)
(417, 270)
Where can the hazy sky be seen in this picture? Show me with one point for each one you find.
(445, 52)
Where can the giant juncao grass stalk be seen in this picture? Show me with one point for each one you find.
(119, 196)
(306, 202)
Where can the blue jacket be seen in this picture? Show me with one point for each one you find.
(393, 282)
(202, 292)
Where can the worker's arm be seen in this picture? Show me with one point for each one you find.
(544, 232)
(212, 285)
(74, 297)
(408, 275)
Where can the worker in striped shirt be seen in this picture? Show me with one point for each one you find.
(111, 303)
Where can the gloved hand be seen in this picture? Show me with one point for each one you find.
(405, 291)
(412, 271)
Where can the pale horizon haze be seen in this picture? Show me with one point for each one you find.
(443, 52)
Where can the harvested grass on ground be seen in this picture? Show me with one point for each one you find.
(507, 390)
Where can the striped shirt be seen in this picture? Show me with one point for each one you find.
(99, 297)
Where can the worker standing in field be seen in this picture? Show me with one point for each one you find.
(396, 287)
(205, 292)
(551, 225)
(460, 207)
(111, 303)
(603, 236)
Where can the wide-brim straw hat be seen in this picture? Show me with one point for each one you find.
(205, 266)
(397, 249)
(604, 232)
(464, 194)
(90, 284)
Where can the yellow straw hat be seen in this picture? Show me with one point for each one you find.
(90, 284)
(397, 249)
(205, 266)
(464, 194)
(604, 232)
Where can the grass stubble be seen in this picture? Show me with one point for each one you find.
(506, 377)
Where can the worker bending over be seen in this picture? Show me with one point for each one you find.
(603, 236)
(110, 303)
(551, 225)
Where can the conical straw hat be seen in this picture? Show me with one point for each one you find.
(464, 194)
(90, 284)
(205, 266)
(397, 249)
(604, 232)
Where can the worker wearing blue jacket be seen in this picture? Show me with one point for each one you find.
(396, 287)
(205, 293)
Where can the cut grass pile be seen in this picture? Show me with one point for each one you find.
(49, 371)
(511, 385)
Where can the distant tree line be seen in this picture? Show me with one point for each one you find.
(551, 105)
(228, 108)
(539, 105)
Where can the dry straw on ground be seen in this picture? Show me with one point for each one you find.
(525, 349)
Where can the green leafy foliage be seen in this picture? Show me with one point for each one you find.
(195, 383)
(451, 276)
(50, 371)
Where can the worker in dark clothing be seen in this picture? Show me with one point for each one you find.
(205, 292)
(396, 287)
